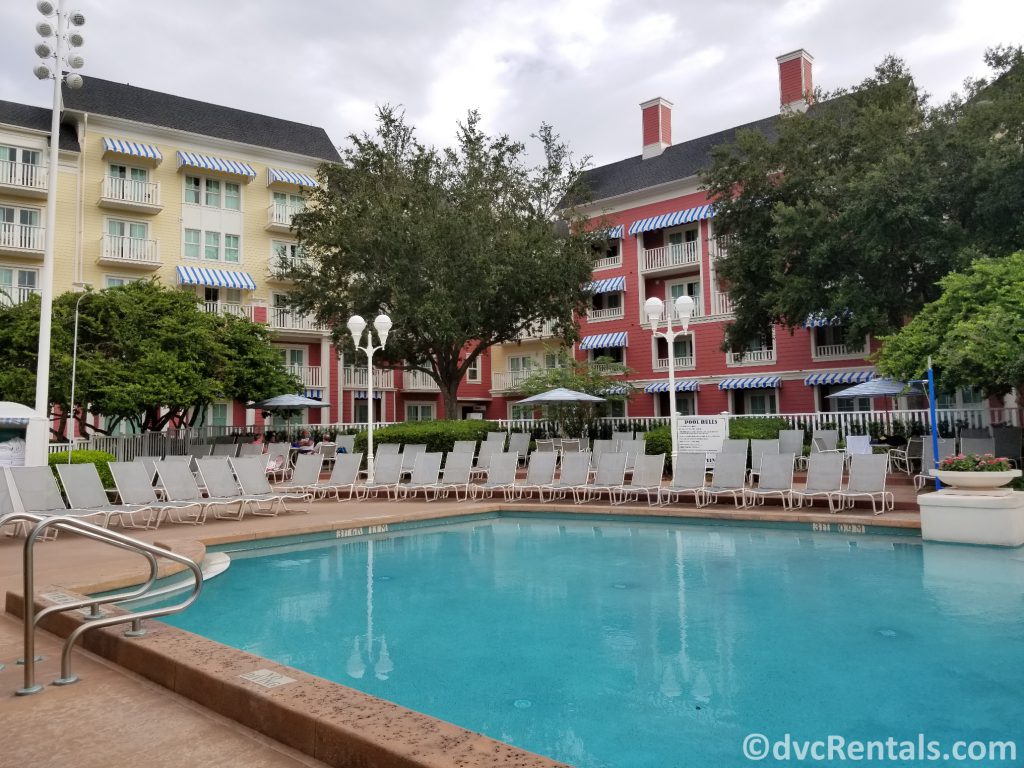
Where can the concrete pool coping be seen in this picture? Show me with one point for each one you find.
(329, 721)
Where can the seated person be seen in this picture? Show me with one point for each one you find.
(304, 443)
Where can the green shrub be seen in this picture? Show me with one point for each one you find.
(756, 428)
(100, 458)
(659, 440)
(438, 436)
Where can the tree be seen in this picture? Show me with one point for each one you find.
(146, 353)
(599, 377)
(464, 248)
(855, 209)
(974, 332)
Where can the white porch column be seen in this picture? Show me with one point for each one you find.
(325, 374)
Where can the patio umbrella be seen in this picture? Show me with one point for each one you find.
(287, 403)
(559, 396)
(877, 388)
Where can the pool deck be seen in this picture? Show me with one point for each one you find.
(115, 717)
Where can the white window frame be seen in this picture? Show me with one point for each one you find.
(125, 278)
(204, 182)
(421, 407)
(473, 372)
(227, 414)
(288, 349)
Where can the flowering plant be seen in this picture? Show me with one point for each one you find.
(972, 462)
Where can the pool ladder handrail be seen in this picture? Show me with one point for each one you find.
(95, 618)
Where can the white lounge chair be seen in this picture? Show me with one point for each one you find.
(758, 449)
(305, 473)
(689, 476)
(792, 441)
(180, 485)
(774, 479)
(572, 477)
(387, 472)
(344, 474)
(946, 449)
(867, 478)
(258, 491)
(646, 479)
(39, 494)
(425, 471)
(728, 477)
(134, 483)
(519, 442)
(500, 476)
(611, 474)
(454, 477)
(220, 482)
(540, 473)
(824, 478)
(84, 490)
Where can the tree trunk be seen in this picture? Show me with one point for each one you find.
(449, 391)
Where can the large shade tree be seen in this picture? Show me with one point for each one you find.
(463, 248)
(146, 354)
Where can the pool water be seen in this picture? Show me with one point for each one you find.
(604, 643)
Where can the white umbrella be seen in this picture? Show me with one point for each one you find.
(560, 395)
(288, 402)
(875, 388)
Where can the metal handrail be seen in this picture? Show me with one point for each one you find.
(31, 618)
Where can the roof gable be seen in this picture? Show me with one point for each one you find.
(37, 119)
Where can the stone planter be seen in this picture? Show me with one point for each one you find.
(975, 481)
(994, 517)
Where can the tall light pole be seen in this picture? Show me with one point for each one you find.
(356, 325)
(654, 308)
(56, 41)
(84, 288)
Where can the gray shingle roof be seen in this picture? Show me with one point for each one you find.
(104, 97)
(38, 119)
(680, 161)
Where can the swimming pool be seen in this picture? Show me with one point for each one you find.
(607, 643)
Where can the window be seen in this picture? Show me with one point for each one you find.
(126, 172)
(17, 166)
(760, 401)
(212, 250)
(19, 227)
(517, 364)
(193, 189)
(213, 295)
(212, 193)
(219, 415)
(232, 196)
(520, 411)
(473, 371)
(611, 355)
(284, 253)
(113, 281)
(550, 360)
(296, 202)
(292, 356)
(16, 285)
(419, 412)
(192, 237)
(615, 409)
(231, 248)
(135, 230)
(686, 288)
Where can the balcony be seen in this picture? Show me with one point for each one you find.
(130, 195)
(279, 216)
(698, 311)
(129, 252)
(718, 247)
(504, 381)
(544, 331)
(283, 319)
(228, 308)
(417, 381)
(24, 179)
(613, 313)
(279, 267)
(672, 256)
(310, 375)
(836, 351)
(608, 262)
(22, 240)
(11, 295)
(752, 357)
(721, 304)
(682, 363)
(356, 378)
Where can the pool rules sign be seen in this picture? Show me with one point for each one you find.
(701, 434)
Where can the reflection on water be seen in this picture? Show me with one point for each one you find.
(645, 645)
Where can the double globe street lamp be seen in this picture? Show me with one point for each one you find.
(356, 326)
(683, 308)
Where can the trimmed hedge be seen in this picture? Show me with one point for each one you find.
(756, 428)
(659, 440)
(438, 436)
(100, 458)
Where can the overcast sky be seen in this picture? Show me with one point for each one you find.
(582, 65)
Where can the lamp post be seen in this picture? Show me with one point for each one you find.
(83, 288)
(654, 308)
(356, 325)
(382, 664)
(53, 47)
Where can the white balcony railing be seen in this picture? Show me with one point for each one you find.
(281, 266)
(697, 312)
(721, 304)
(416, 380)
(544, 331)
(672, 255)
(503, 381)
(130, 191)
(608, 262)
(130, 249)
(836, 351)
(15, 294)
(612, 313)
(22, 237)
(290, 320)
(683, 362)
(280, 214)
(752, 357)
(309, 375)
(25, 175)
(718, 247)
(356, 378)
(228, 308)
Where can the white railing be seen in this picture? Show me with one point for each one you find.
(130, 190)
(13, 294)
(718, 247)
(281, 266)
(23, 175)
(309, 375)
(544, 331)
(672, 255)
(608, 262)
(503, 381)
(836, 351)
(130, 249)
(228, 308)
(752, 357)
(22, 237)
(290, 320)
(613, 313)
(356, 378)
(281, 213)
(685, 361)
(670, 307)
(721, 304)
(609, 369)
(419, 381)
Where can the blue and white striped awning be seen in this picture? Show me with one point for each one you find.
(615, 233)
(686, 385)
(751, 382)
(219, 278)
(839, 377)
(132, 148)
(210, 163)
(614, 389)
(608, 285)
(361, 394)
(281, 176)
(672, 219)
(604, 341)
(818, 320)
(314, 394)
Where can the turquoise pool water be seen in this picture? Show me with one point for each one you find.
(621, 644)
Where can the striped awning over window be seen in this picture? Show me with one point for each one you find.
(210, 163)
(819, 320)
(751, 382)
(361, 394)
(604, 341)
(314, 394)
(672, 219)
(608, 285)
(686, 385)
(131, 148)
(839, 377)
(281, 176)
(218, 278)
(615, 233)
(614, 389)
